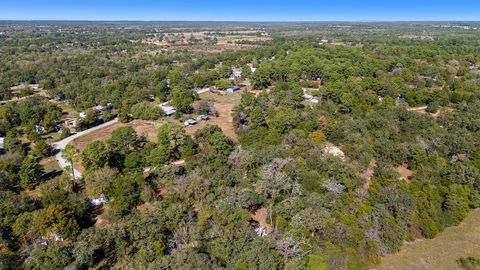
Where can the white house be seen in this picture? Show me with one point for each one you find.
(83, 114)
(2, 142)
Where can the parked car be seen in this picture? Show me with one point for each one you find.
(190, 122)
(202, 117)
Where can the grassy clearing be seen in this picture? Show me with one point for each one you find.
(441, 252)
(142, 127)
(224, 105)
(50, 167)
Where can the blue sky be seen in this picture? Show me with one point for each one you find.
(238, 10)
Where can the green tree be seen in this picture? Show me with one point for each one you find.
(55, 219)
(52, 257)
(257, 118)
(95, 155)
(12, 143)
(124, 193)
(30, 173)
(42, 149)
(160, 156)
(123, 141)
(10, 260)
(71, 154)
(181, 98)
(134, 161)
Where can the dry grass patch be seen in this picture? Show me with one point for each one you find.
(442, 251)
(142, 127)
(405, 173)
(224, 105)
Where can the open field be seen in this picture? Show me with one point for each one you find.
(442, 251)
(214, 40)
(142, 127)
(224, 105)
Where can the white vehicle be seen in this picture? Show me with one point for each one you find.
(190, 122)
(202, 117)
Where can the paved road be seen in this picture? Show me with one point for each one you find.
(60, 145)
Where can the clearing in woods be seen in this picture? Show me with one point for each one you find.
(442, 251)
(142, 127)
(224, 105)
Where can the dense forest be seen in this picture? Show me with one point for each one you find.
(389, 153)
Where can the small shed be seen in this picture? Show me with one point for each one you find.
(169, 110)
(232, 89)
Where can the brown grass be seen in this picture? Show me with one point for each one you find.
(224, 105)
(261, 216)
(405, 174)
(142, 127)
(50, 164)
(442, 251)
(368, 174)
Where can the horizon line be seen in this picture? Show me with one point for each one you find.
(231, 21)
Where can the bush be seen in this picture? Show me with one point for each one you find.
(146, 111)
(469, 263)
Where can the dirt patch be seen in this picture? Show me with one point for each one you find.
(146, 128)
(260, 216)
(368, 174)
(100, 212)
(50, 165)
(405, 173)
